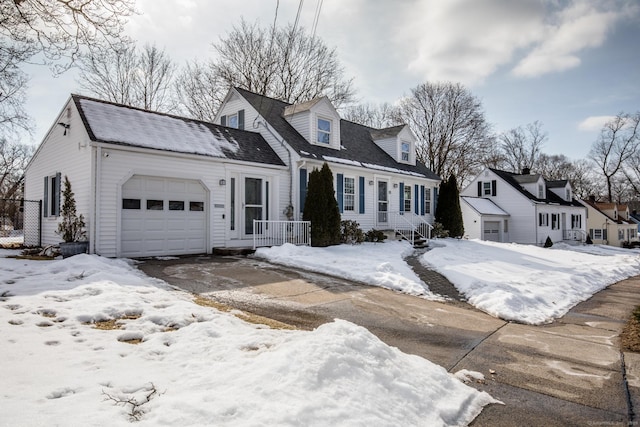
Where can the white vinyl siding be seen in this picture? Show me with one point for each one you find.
(70, 155)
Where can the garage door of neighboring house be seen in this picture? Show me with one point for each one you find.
(162, 216)
(492, 231)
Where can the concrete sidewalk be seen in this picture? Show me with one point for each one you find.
(570, 372)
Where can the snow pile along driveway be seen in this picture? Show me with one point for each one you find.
(193, 365)
(528, 283)
(375, 264)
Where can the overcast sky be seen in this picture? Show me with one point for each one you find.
(568, 64)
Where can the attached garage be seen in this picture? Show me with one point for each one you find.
(484, 220)
(492, 231)
(163, 216)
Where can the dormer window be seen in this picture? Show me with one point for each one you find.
(540, 191)
(235, 120)
(568, 195)
(406, 147)
(232, 121)
(324, 131)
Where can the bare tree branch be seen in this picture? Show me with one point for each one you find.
(454, 136)
(140, 78)
(617, 144)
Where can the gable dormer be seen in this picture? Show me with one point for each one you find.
(533, 183)
(398, 142)
(561, 188)
(317, 121)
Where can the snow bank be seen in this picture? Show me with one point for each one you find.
(375, 264)
(195, 365)
(527, 283)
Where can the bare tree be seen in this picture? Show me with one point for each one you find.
(453, 134)
(56, 31)
(378, 116)
(110, 75)
(554, 166)
(618, 142)
(283, 63)
(631, 171)
(13, 160)
(13, 92)
(199, 91)
(522, 146)
(140, 78)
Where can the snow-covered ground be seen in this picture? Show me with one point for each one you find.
(195, 365)
(525, 283)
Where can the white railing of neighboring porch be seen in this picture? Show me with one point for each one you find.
(276, 233)
(578, 235)
(408, 225)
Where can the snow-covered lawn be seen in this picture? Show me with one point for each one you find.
(525, 283)
(195, 365)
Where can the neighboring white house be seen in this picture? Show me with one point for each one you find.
(154, 184)
(610, 223)
(525, 208)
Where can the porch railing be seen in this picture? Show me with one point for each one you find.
(276, 233)
(409, 225)
(577, 234)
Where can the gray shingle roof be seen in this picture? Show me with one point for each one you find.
(515, 180)
(118, 124)
(356, 140)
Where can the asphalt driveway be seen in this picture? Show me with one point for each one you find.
(570, 372)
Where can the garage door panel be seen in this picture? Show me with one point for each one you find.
(492, 231)
(174, 231)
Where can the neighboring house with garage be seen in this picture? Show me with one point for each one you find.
(610, 223)
(153, 184)
(521, 208)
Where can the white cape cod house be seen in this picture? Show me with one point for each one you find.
(152, 184)
(521, 208)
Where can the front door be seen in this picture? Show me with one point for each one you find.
(383, 203)
(253, 202)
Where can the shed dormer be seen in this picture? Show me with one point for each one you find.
(317, 121)
(398, 142)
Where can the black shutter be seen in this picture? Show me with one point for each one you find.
(56, 207)
(479, 188)
(493, 188)
(241, 119)
(223, 120)
(46, 197)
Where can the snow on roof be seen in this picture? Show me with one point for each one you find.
(370, 166)
(484, 206)
(113, 123)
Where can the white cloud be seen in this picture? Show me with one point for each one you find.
(594, 123)
(578, 27)
(466, 40)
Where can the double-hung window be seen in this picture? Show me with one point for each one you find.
(427, 201)
(407, 198)
(232, 121)
(349, 195)
(543, 220)
(52, 195)
(487, 188)
(540, 191)
(406, 150)
(323, 131)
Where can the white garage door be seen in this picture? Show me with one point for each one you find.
(492, 231)
(162, 216)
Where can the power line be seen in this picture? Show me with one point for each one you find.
(316, 18)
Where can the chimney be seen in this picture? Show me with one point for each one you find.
(592, 198)
(526, 171)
